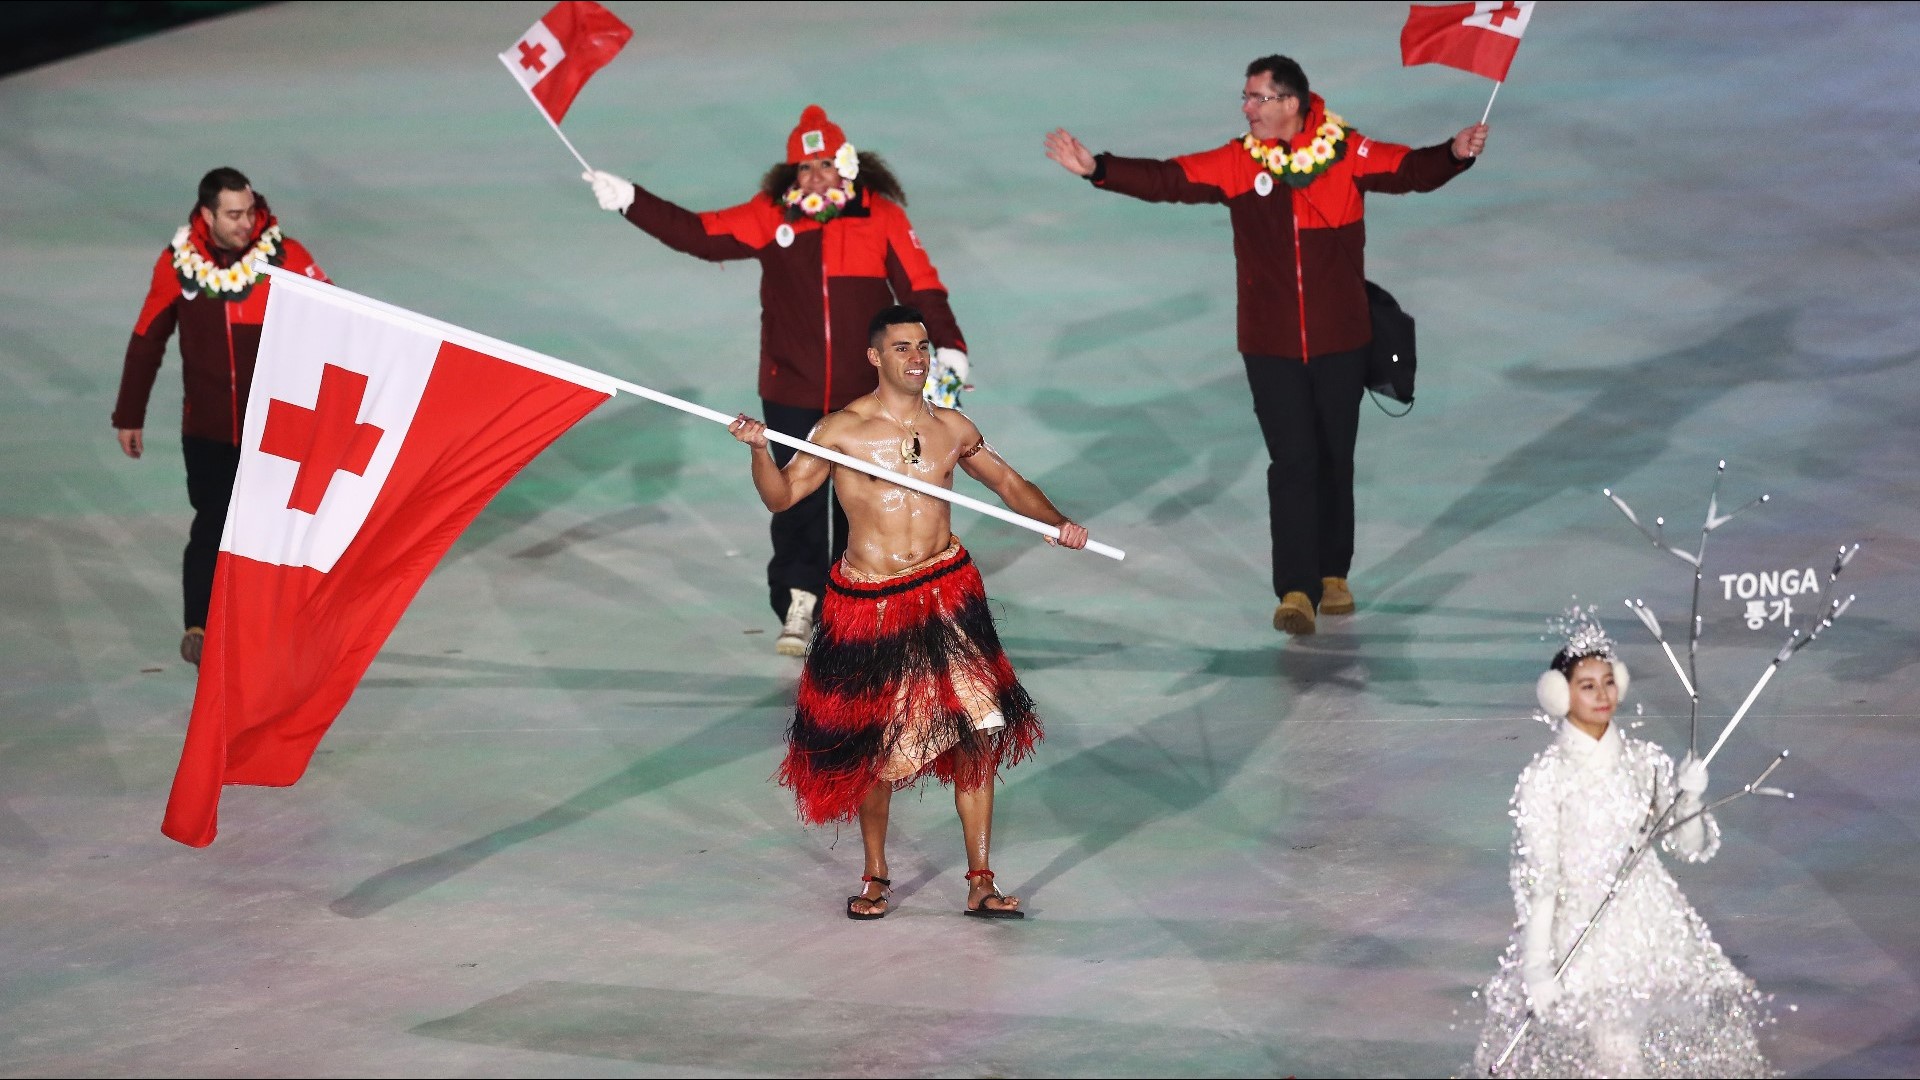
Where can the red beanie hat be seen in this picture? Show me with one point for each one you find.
(815, 135)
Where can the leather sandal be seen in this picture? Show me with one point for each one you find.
(885, 897)
(981, 910)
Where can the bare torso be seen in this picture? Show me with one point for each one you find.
(891, 528)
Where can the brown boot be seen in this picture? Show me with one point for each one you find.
(1294, 615)
(191, 643)
(1335, 597)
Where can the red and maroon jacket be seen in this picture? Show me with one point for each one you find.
(819, 284)
(219, 338)
(1298, 251)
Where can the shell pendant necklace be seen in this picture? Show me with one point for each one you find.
(910, 445)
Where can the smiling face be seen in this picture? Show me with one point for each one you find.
(903, 353)
(1593, 695)
(815, 175)
(1272, 111)
(231, 223)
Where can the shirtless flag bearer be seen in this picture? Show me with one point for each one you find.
(906, 677)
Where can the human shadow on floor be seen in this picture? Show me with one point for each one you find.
(1892, 1055)
(55, 742)
(446, 672)
(1627, 422)
(737, 737)
(598, 528)
(1168, 766)
(1131, 449)
(1842, 837)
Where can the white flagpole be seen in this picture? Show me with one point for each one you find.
(542, 110)
(1483, 116)
(283, 277)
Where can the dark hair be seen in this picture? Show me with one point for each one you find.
(1566, 660)
(891, 316)
(224, 178)
(1285, 74)
(874, 177)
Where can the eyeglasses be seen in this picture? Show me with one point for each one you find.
(1261, 99)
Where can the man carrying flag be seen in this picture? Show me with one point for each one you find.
(371, 439)
(1295, 188)
(829, 229)
(906, 678)
(374, 436)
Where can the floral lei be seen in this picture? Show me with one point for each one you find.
(824, 208)
(1299, 167)
(201, 274)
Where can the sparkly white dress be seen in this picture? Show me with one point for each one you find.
(1650, 993)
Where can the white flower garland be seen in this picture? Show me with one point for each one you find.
(196, 271)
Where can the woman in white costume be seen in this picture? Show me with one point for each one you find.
(1648, 993)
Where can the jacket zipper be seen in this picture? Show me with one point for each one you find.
(826, 323)
(233, 374)
(1299, 271)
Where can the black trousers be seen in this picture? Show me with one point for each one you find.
(801, 554)
(210, 469)
(1310, 416)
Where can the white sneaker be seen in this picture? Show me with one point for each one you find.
(798, 630)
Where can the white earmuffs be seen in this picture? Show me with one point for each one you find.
(1556, 697)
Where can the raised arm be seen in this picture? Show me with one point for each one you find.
(715, 236)
(781, 488)
(1148, 179)
(1392, 169)
(1021, 495)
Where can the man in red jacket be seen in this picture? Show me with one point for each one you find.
(1295, 188)
(205, 284)
(834, 246)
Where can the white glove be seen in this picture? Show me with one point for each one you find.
(1542, 990)
(614, 193)
(1692, 779)
(946, 377)
(953, 360)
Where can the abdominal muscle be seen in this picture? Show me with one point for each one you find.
(890, 529)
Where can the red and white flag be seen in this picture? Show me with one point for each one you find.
(557, 56)
(1479, 37)
(373, 437)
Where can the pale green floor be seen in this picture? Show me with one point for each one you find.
(541, 839)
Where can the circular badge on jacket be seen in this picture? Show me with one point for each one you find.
(1263, 183)
(783, 235)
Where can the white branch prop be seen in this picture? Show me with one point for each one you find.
(1645, 613)
(542, 362)
(1741, 714)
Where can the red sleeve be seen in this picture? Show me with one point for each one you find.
(148, 345)
(914, 280)
(1392, 169)
(300, 261)
(734, 233)
(1190, 178)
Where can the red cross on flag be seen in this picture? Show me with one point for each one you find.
(1479, 37)
(373, 437)
(557, 56)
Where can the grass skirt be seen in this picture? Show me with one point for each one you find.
(902, 672)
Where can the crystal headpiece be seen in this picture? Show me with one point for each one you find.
(1580, 634)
